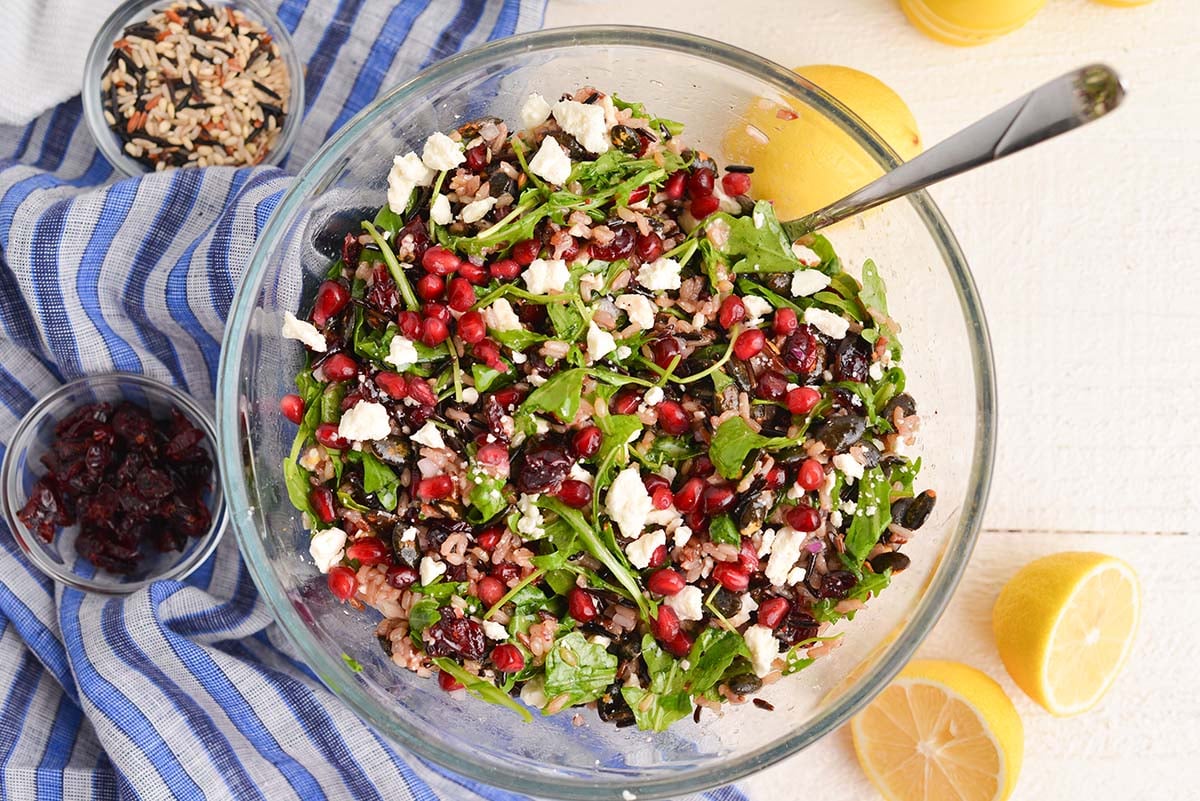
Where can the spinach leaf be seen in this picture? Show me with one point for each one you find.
(578, 668)
(872, 515)
(560, 395)
(669, 450)
(734, 440)
(481, 688)
(331, 402)
(518, 339)
(758, 240)
(376, 474)
(486, 378)
(659, 711)
(389, 220)
(619, 430)
(711, 655)
(424, 613)
(295, 478)
(561, 581)
(723, 530)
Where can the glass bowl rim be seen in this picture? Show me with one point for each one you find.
(93, 71)
(936, 595)
(32, 550)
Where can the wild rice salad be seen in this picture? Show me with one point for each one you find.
(587, 430)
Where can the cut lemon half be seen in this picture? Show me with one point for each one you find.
(942, 731)
(1065, 625)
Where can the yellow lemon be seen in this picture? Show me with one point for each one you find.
(1125, 2)
(969, 22)
(1065, 625)
(802, 160)
(942, 731)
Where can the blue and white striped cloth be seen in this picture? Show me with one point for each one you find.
(184, 690)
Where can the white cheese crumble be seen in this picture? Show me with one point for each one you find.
(440, 212)
(688, 603)
(642, 549)
(364, 421)
(848, 465)
(535, 111)
(806, 256)
(476, 209)
(326, 548)
(430, 570)
(831, 325)
(470, 395)
(639, 308)
(442, 153)
(628, 503)
(494, 631)
(808, 282)
(303, 331)
(796, 576)
(756, 308)
(785, 550)
(660, 274)
(743, 615)
(518, 357)
(681, 537)
(407, 173)
(544, 276)
(622, 352)
(768, 539)
(653, 396)
(763, 647)
(600, 343)
(551, 162)
(402, 353)
(580, 474)
(529, 524)
(875, 371)
(409, 534)
(430, 436)
(585, 122)
(501, 317)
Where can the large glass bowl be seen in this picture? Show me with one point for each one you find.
(708, 85)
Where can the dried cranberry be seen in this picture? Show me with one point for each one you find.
(771, 386)
(543, 468)
(851, 359)
(622, 244)
(133, 425)
(154, 485)
(44, 510)
(420, 391)
(837, 584)
(800, 351)
(351, 250)
(383, 295)
(454, 636)
(797, 626)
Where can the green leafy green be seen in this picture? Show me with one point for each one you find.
(295, 478)
(657, 124)
(903, 477)
(376, 474)
(581, 669)
(569, 324)
(331, 402)
(352, 663)
(486, 496)
(872, 515)
(518, 339)
(873, 293)
(758, 243)
(481, 688)
(734, 440)
(389, 220)
(487, 378)
(560, 395)
(656, 711)
(424, 613)
(869, 584)
(711, 655)
(669, 450)
(722, 529)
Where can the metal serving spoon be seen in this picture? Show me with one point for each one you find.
(1065, 103)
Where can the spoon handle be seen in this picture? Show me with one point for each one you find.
(1056, 107)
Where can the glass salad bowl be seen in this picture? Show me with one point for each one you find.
(708, 86)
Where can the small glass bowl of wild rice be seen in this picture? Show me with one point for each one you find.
(192, 83)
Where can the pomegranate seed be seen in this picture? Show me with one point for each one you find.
(662, 498)
(570, 253)
(675, 185)
(688, 497)
(704, 206)
(680, 645)
(508, 658)
(410, 324)
(435, 488)
(507, 572)
(508, 398)
(774, 478)
(392, 384)
(505, 269)
(649, 247)
(488, 538)
(471, 327)
(812, 474)
(430, 286)
(735, 183)
(626, 401)
(322, 503)
(731, 575)
(327, 434)
(664, 350)
(332, 297)
(732, 311)
(575, 493)
(292, 407)
(666, 625)
(420, 391)
(785, 322)
(448, 682)
(665, 582)
(493, 455)
(436, 311)
(700, 183)
(652, 481)
(771, 386)
(473, 273)
(672, 418)
(716, 498)
(402, 576)
(749, 344)
(440, 261)
(342, 581)
(803, 518)
(772, 612)
(586, 442)
(523, 253)
(434, 332)
(697, 521)
(488, 352)
(702, 466)
(462, 294)
(748, 556)
(490, 590)
(340, 367)
(477, 158)
(368, 551)
(659, 557)
(581, 605)
(801, 400)
(639, 194)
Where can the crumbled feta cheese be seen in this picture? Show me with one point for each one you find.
(429, 435)
(407, 173)
(681, 536)
(768, 539)
(365, 421)
(785, 550)
(835, 519)
(494, 631)
(849, 466)
(401, 353)
(551, 162)
(540, 424)
(795, 492)
(831, 325)
(579, 473)
(303, 331)
(442, 153)
(688, 603)
(585, 122)
(642, 549)
(758, 218)
(849, 507)
(660, 274)
(440, 212)
(628, 503)
(409, 534)
(639, 308)
(875, 371)
(668, 472)
(535, 111)
(808, 282)
(601, 640)
(470, 395)
(537, 379)
(600, 343)
(430, 570)
(622, 352)
(326, 548)
(476, 209)
(806, 256)
(518, 357)
(746, 606)
(653, 396)
(796, 576)
(763, 647)
(544, 276)
(529, 524)
(725, 203)
(667, 518)
(501, 317)
(756, 308)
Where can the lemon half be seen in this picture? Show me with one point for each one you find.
(969, 22)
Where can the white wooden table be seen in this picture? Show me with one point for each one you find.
(1087, 255)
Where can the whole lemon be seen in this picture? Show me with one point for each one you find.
(802, 160)
(1125, 2)
(969, 22)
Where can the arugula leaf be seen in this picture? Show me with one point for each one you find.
(872, 515)
(561, 581)
(669, 450)
(486, 378)
(734, 440)
(711, 655)
(568, 323)
(581, 669)
(424, 613)
(902, 478)
(722, 529)
(618, 429)
(874, 292)
(560, 395)
(518, 339)
(486, 496)
(441, 591)
(295, 478)
(759, 241)
(751, 287)
(481, 688)
(891, 385)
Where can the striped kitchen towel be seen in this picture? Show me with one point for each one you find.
(184, 690)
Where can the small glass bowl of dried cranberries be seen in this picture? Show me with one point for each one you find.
(110, 482)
